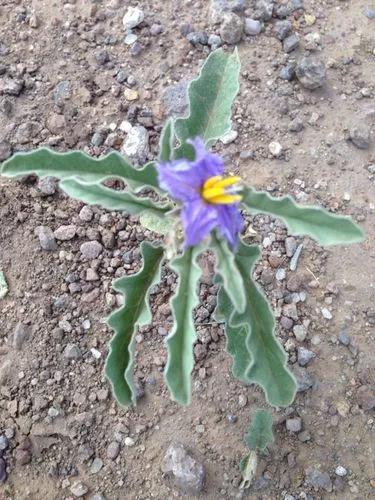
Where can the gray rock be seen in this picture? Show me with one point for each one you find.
(9, 86)
(86, 214)
(197, 38)
(344, 337)
(97, 496)
(290, 246)
(20, 334)
(156, 29)
(366, 397)
(305, 381)
(294, 260)
(133, 17)
(5, 150)
(296, 125)
(98, 138)
(65, 233)
(91, 249)
(294, 424)
(113, 450)
(219, 7)
(282, 29)
(304, 356)
(46, 238)
(61, 93)
(188, 473)
(175, 99)
(214, 41)
(288, 72)
(311, 72)
(264, 9)
(79, 489)
(252, 27)
(47, 186)
(290, 43)
(96, 466)
(283, 11)
(72, 351)
(360, 135)
(136, 146)
(318, 479)
(296, 5)
(3, 471)
(4, 442)
(341, 471)
(231, 29)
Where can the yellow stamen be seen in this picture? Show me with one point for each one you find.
(215, 190)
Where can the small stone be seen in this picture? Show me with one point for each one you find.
(280, 274)
(96, 466)
(86, 214)
(229, 137)
(290, 246)
(304, 356)
(5, 150)
(344, 337)
(129, 441)
(294, 424)
(294, 261)
(101, 57)
(91, 275)
(156, 29)
(296, 125)
(288, 72)
(231, 29)
(72, 351)
(282, 29)
(197, 38)
(46, 238)
(318, 479)
(98, 139)
(311, 72)
(133, 17)
(8, 86)
(264, 9)
(34, 21)
(188, 473)
(4, 442)
(326, 313)
(219, 7)
(113, 450)
(300, 332)
(214, 41)
(252, 27)
(136, 145)
(20, 334)
(23, 457)
(65, 233)
(130, 39)
(304, 379)
(290, 43)
(341, 471)
(360, 135)
(275, 149)
(47, 186)
(131, 94)
(286, 323)
(366, 397)
(267, 276)
(79, 489)
(61, 93)
(91, 249)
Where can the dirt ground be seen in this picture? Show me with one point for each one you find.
(55, 407)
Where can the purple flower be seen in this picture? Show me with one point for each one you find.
(209, 200)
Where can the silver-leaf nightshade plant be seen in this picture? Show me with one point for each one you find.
(187, 198)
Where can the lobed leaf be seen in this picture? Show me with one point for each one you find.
(167, 141)
(181, 339)
(161, 224)
(45, 162)
(260, 433)
(211, 97)
(97, 194)
(313, 221)
(125, 321)
(268, 368)
(227, 269)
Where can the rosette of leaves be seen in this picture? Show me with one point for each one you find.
(258, 357)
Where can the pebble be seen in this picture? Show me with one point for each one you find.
(264, 9)
(311, 72)
(72, 351)
(231, 29)
(296, 125)
(275, 149)
(360, 135)
(156, 29)
(101, 57)
(65, 233)
(304, 379)
(47, 186)
(282, 29)
(219, 7)
(280, 274)
(46, 238)
(229, 137)
(34, 21)
(214, 41)
(131, 94)
(175, 99)
(290, 246)
(344, 337)
(61, 93)
(136, 145)
(304, 356)
(188, 473)
(341, 471)
(5, 150)
(129, 441)
(9, 86)
(96, 466)
(318, 479)
(4, 442)
(290, 43)
(113, 450)
(86, 214)
(326, 313)
(288, 72)
(252, 26)
(91, 249)
(130, 39)
(366, 397)
(294, 424)
(79, 489)
(294, 260)
(20, 334)
(197, 38)
(133, 17)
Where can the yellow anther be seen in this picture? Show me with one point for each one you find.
(215, 190)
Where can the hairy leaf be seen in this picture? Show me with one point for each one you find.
(268, 368)
(96, 194)
(316, 222)
(166, 141)
(45, 162)
(211, 96)
(260, 433)
(158, 224)
(181, 339)
(236, 337)
(227, 269)
(125, 321)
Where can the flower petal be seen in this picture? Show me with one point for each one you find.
(230, 222)
(208, 163)
(198, 219)
(181, 179)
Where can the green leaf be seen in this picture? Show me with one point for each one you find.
(96, 194)
(125, 322)
(181, 339)
(321, 225)
(45, 162)
(227, 269)
(248, 467)
(157, 224)
(268, 368)
(3, 285)
(166, 141)
(260, 433)
(236, 337)
(211, 96)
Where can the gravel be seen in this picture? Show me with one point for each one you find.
(294, 424)
(65, 233)
(231, 29)
(311, 72)
(133, 17)
(304, 356)
(91, 249)
(252, 27)
(21, 333)
(175, 99)
(360, 135)
(318, 479)
(290, 43)
(188, 473)
(113, 450)
(46, 238)
(282, 29)
(72, 351)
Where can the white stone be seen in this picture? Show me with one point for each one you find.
(133, 17)
(275, 149)
(136, 145)
(340, 471)
(130, 39)
(129, 441)
(229, 137)
(326, 313)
